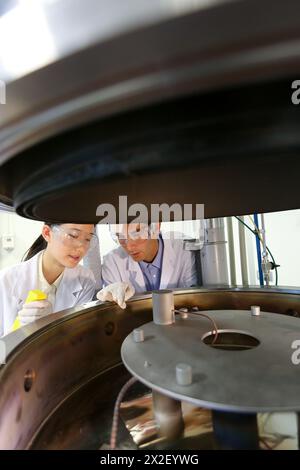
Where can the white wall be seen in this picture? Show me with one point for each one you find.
(24, 231)
(283, 239)
(106, 242)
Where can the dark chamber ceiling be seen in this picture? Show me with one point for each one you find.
(166, 113)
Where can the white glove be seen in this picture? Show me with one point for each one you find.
(34, 310)
(117, 292)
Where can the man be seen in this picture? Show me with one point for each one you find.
(146, 260)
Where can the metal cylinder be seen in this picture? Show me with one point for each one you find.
(231, 251)
(163, 307)
(168, 415)
(243, 254)
(138, 335)
(184, 313)
(213, 255)
(255, 310)
(184, 374)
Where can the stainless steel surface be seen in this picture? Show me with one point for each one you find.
(214, 264)
(184, 374)
(168, 415)
(231, 251)
(217, 223)
(138, 415)
(68, 357)
(70, 364)
(254, 380)
(65, 31)
(138, 335)
(184, 313)
(163, 307)
(255, 310)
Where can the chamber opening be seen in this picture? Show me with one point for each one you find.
(230, 340)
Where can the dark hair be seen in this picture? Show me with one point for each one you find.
(39, 245)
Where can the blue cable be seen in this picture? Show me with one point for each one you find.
(259, 260)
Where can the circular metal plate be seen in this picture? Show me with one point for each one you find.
(260, 379)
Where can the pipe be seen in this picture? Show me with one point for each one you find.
(259, 261)
(243, 254)
(266, 264)
(213, 255)
(168, 415)
(231, 251)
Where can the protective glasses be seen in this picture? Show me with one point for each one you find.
(142, 232)
(75, 237)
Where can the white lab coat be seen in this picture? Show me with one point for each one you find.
(76, 287)
(178, 267)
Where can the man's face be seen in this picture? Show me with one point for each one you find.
(135, 240)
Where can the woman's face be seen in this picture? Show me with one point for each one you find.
(69, 243)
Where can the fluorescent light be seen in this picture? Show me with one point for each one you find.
(26, 43)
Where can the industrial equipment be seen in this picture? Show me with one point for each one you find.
(189, 102)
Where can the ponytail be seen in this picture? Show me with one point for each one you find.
(40, 244)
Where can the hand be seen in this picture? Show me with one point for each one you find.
(34, 310)
(117, 292)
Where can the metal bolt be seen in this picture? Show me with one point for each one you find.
(183, 312)
(138, 335)
(183, 374)
(255, 310)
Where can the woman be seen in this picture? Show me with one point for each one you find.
(51, 266)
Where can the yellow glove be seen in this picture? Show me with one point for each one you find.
(33, 296)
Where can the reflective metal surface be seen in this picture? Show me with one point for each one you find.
(65, 31)
(196, 92)
(139, 416)
(259, 378)
(137, 413)
(67, 361)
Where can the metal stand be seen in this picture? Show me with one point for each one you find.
(168, 415)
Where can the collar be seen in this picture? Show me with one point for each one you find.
(157, 262)
(42, 278)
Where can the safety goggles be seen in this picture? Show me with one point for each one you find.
(75, 238)
(143, 232)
